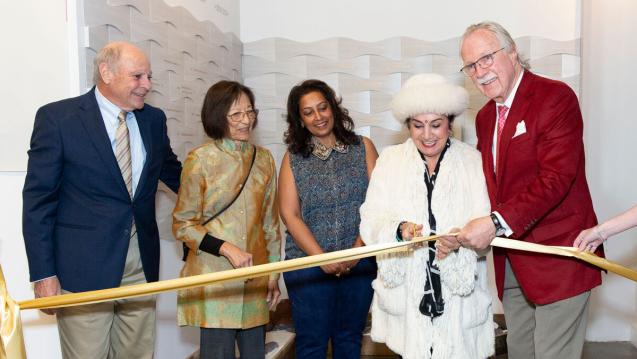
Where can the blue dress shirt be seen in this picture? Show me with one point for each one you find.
(109, 114)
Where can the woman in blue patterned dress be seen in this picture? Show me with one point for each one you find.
(322, 183)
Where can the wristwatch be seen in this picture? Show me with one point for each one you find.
(499, 230)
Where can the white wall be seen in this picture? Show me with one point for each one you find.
(36, 70)
(223, 13)
(36, 62)
(422, 19)
(608, 104)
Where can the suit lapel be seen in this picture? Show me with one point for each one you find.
(94, 125)
(145, 131)
(487, 135)
(518, 111)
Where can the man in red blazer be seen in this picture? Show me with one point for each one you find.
(530, 137)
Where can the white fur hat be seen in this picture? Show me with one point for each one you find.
(429, 93)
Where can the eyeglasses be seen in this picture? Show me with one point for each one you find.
(238, 116)
(484, 62)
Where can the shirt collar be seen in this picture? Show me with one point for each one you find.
(509, 101)
(107, 107)
(323, 152)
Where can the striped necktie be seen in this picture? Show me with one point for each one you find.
(122, 152)
(502, 117)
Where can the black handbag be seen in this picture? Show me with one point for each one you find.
(245, 180)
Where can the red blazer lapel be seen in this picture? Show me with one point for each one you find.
(485, 124)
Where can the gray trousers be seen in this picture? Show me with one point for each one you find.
(117, 329)
(218, 343)
(550, 331)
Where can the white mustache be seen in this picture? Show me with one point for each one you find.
(488, 77)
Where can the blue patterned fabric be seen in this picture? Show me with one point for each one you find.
(330, 192)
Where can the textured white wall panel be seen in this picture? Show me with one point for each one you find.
(368, 74)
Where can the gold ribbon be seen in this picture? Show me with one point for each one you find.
(13, 344)
(587, 257)
(137, 290)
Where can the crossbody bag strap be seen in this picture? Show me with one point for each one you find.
(245, 180)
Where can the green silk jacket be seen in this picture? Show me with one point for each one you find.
(211, 177)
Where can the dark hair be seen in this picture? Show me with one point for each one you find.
(297, 137)
(407, 121)
(216, 105)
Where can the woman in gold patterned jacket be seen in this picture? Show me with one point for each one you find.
(244, 229)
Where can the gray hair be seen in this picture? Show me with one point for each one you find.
(110, 55)
(503, 37)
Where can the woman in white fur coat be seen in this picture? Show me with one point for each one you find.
(425, 306)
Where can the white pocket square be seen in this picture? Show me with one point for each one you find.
(520, 129)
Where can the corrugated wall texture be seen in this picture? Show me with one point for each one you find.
(186, 55)
(367, 74)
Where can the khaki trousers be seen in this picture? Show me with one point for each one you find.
(550, 331)
(116, 329)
